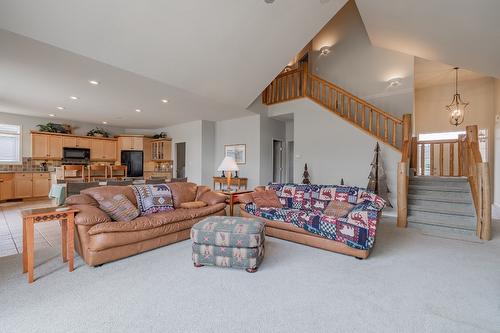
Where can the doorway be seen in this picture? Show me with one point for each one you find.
(277, 161)
(180, 149)
(289, 161)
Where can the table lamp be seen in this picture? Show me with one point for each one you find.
(228, 165)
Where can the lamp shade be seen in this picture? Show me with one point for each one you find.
(228, 164)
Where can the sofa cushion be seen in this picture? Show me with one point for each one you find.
(155, 220)
(81, 199)
(193, 204)
(338, 209)
(213, 198)
(119, 208)
(108, 192)
(266, 198)
(183, 192)
(200, 191)
(153, 198)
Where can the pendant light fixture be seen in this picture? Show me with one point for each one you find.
(456, 108)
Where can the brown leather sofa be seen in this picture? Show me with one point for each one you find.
(99, 240)
(295, 234)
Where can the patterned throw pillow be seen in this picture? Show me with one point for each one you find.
(267, 198)
(338, 209)
(153, 198)
(119, 208)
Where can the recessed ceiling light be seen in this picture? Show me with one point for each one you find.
(60, 107)
(268, 1)
(104, 122)
(138, 110)
(395, 82)
(164, 100)
(94, 82)
(73, 98)
(51, 115)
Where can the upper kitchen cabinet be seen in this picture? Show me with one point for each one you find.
(46, 146)
(130, 143)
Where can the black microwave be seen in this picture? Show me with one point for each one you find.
(76, 156)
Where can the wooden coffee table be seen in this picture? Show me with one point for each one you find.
(41, 215)
(233, 198)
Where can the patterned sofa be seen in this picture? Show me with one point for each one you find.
(302, 219)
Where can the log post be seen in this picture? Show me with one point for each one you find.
(304, 80)
(402, 194)
(406, 127)
(485, 209)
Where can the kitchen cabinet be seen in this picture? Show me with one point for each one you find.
(75, 142)
(6, 186)
(103, 150)
(23, 185)
(41, 184)
(161, 150)
(46, 146)
(131, 143)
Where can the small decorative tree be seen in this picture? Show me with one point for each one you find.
(377, 179)
(305, 176)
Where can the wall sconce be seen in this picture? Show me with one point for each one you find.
(325, 50)
(395, 82)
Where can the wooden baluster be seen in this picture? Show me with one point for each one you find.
(271, 97)
(336, 102)
(282, 89)
(386, 133)
(294, 85)
(330, 98)
(356, 109)
(323, 95)
(348, 108)
(422, 159)
(432, 159)
(341, 104)
(377, 124)
(363, 115)
(370, 119)
(287, 86)
(305, 79)
(451, 171)
(441, 159)
(460, 158)
(413, 160)
(394, 132)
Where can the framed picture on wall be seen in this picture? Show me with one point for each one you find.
(238, 152)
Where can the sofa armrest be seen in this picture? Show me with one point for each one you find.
(90, 215)
(80, 199)
(212, 198)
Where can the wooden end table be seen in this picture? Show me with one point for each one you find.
(233, 198)
(32, 216)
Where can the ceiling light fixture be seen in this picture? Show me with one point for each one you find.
(51, 115)
(456, 108)
(73, 98)
(60, 107)
(104, 122)
(94, 82)
(325, 50)
(164, 101)
(395, 82)
(138, 110)
(269, 1)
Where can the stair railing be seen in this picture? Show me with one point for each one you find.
(403, 173)
(478, 174)
(299, 83)
(445, 165)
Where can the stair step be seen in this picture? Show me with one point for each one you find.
(442, 195)
(463, 199)
(450, 221)
(434, 179)
(443, 208)
(439, 187)
(446, 232)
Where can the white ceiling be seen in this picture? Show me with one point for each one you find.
(430, 73)
(211, 59)
(464, 33)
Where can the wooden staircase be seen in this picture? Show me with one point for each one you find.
(298, 83)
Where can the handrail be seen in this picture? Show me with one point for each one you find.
(454, 165)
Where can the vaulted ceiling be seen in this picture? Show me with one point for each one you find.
(201, 55)
(461, 33)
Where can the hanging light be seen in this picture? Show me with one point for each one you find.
(456, 108)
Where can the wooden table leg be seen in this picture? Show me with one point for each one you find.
(30, 248)
(71, 240)
(231, 203)
(25, 250)
(64, 234)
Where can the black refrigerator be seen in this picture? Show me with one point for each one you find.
(134, 161)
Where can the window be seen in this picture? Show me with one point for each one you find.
(10, 143)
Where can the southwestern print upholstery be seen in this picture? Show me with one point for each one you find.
(228, 242)
(356, 230)
(153, 198)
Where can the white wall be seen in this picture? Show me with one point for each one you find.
(246, 131)
(360, 68)
(497, 149)
(29, 124)
(333, 148)
(207, 151)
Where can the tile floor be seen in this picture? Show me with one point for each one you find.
(11, 231)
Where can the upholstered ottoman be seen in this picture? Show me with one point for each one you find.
(228, 241)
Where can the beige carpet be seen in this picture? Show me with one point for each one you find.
(411, 283)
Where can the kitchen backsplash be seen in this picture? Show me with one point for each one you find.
(29, 165)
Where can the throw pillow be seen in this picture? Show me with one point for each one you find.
(338, 209)
(267, 198)
(193, 204)
(119, 208)
(153, 198)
